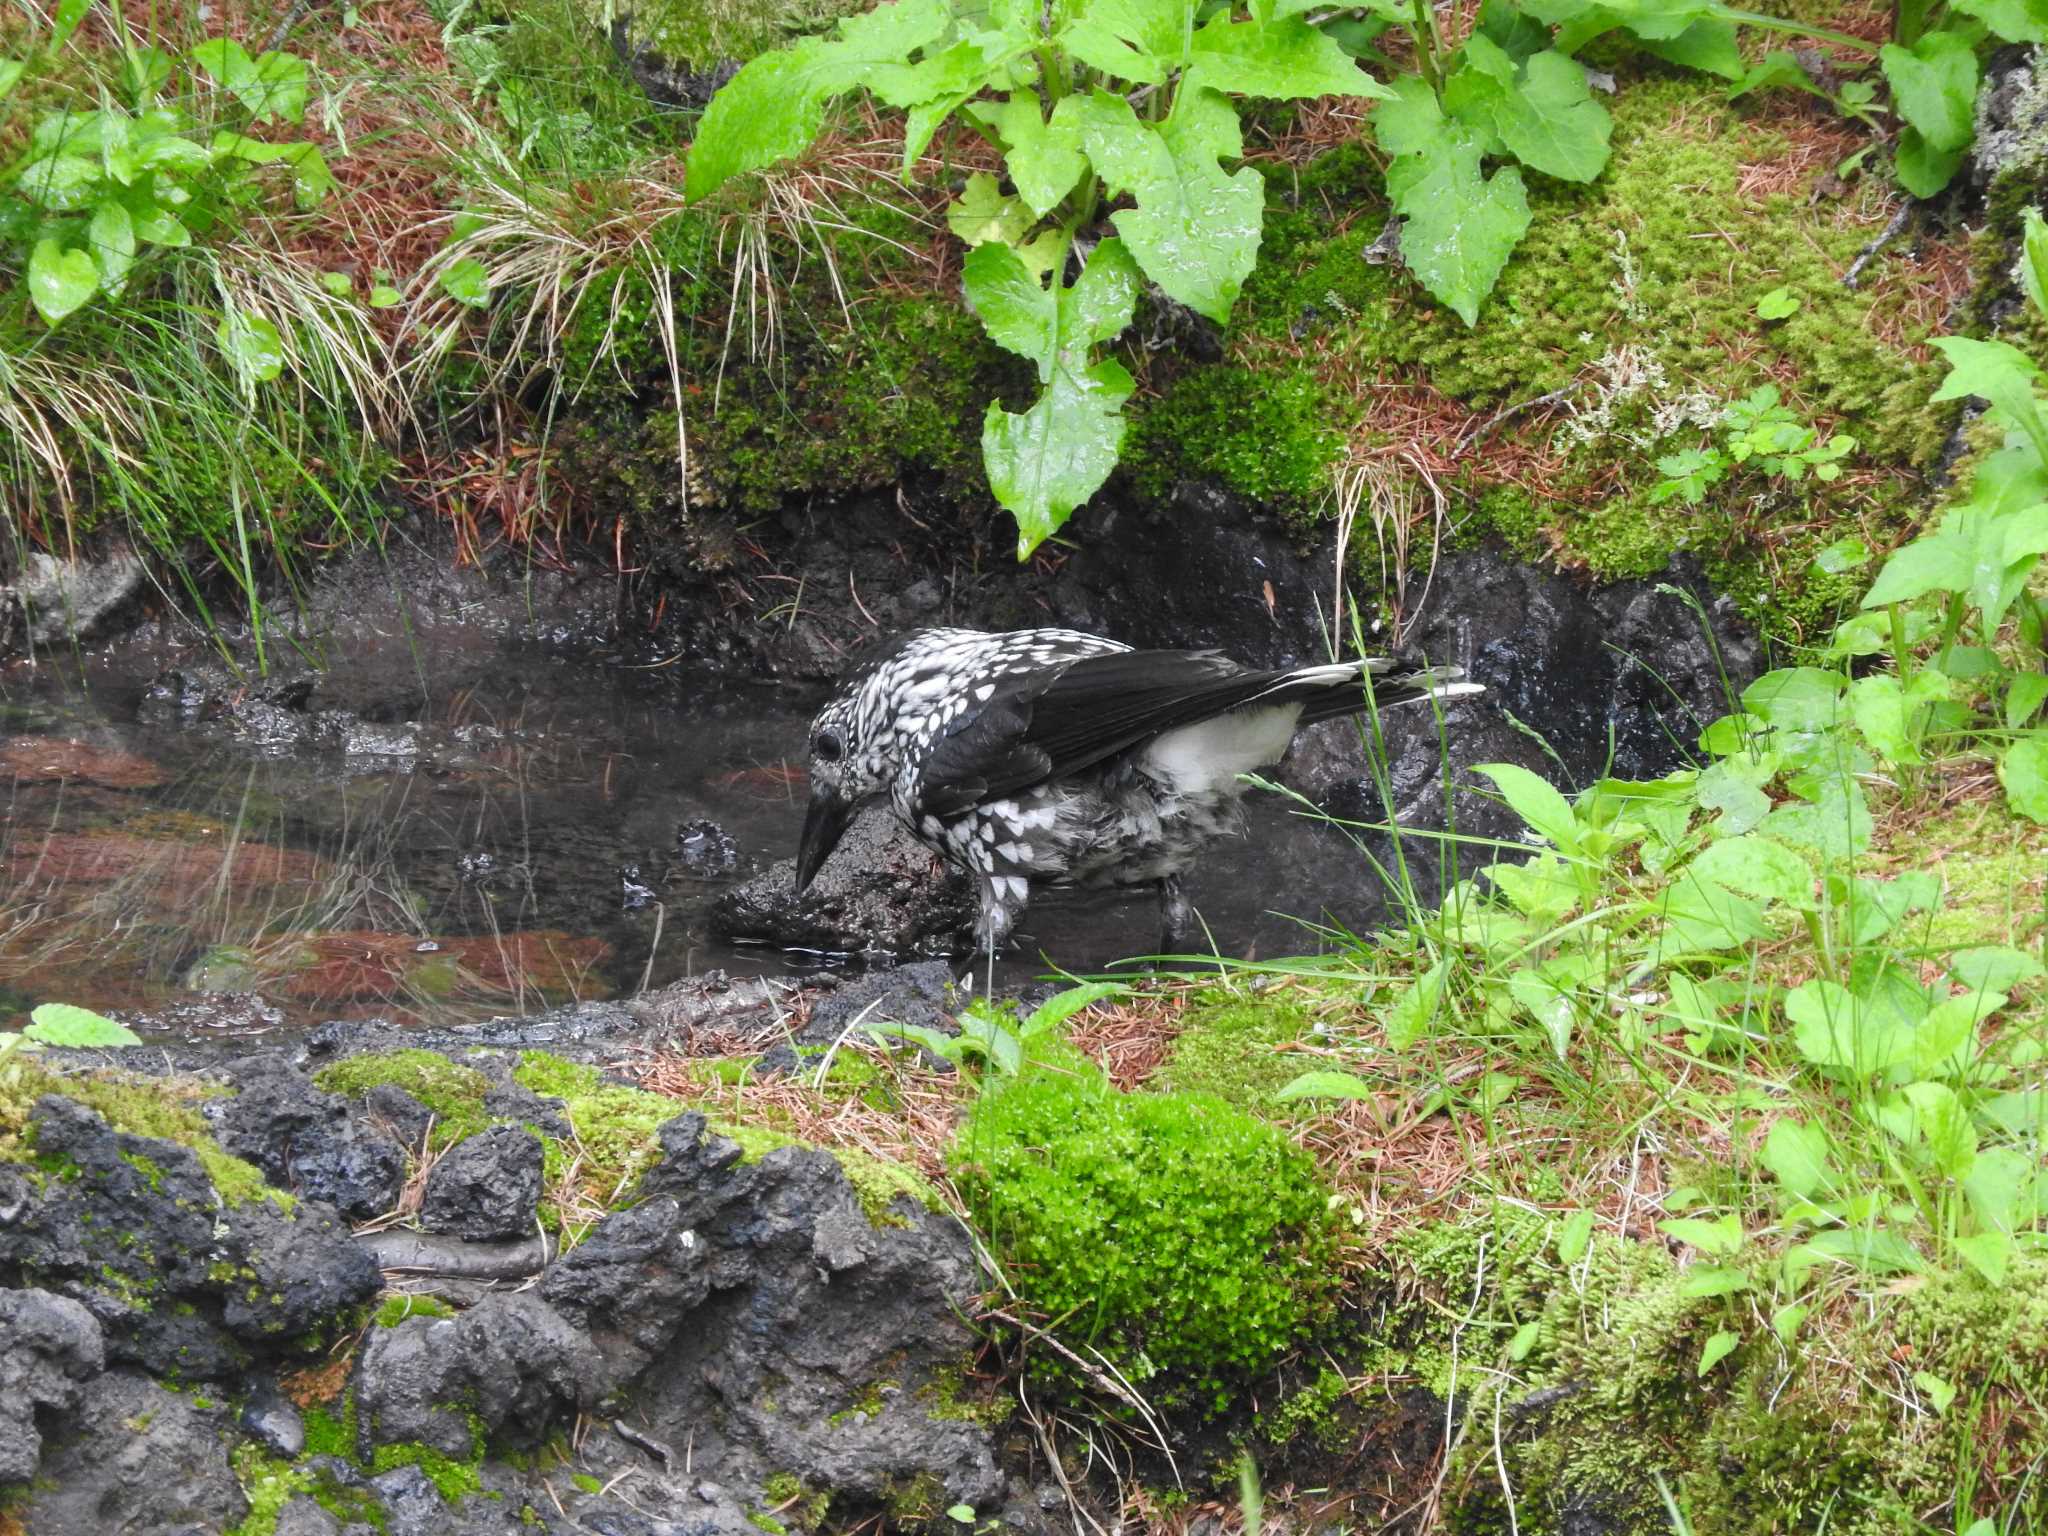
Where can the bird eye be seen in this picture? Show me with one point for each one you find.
(828, 748)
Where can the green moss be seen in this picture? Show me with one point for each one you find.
(1185, 1239)
(149, 1107)
(268, 1484)
(788, 1494)
(454, 1092)
(1265, 435)
(915, 1500)
(396, 1309)
(1227, 1046)
(453, 1480)
(586, 1482)
(1310, 1414)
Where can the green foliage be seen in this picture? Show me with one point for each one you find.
(1036, 82)
(1757, 433)
(100, 188)
(993, 1034)
(61, 1024)
(1184, 1240)
(395, 1309)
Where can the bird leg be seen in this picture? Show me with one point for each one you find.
(998, 917)
(1176, 916)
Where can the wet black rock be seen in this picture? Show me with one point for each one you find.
(49, 1348)
(881, 892)
(133, 1458)
(921, 994)
(270, 1417)
(181, 1282)
(53, 601)
(304, 1140)
(486, 1188)
(302, 1516)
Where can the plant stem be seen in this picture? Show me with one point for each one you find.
(1429, 46)
(1794, 28)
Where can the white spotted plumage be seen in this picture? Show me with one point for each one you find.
(1049, 756)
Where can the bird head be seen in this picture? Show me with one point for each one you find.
(844, 771)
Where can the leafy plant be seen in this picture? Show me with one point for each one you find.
(1755, 433)
(992, 1034)
(63, 1025)
(1120, 107)
(95, 192)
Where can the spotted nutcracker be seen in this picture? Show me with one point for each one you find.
(1050, 757)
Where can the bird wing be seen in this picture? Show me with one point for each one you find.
(1057, 720)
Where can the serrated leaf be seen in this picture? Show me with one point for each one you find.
(1195, 229)
(1541, 110)
(1044, 463)
(252, 344)
(774, 107)
(62, 1024)
(1043, 158)
(1757, 867)
(1460, 226)
(1717, 1349)
(2017, 21)
(983, 213)
(1708, 45)
(1285, 59)
(1137, 40)
(1934, 87)
(59, 281)
(1537, 801)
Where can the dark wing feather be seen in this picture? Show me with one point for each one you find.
(1055, 721)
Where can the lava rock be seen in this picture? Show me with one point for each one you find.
(303, 1140)
(54, 600)
(49, 1347)
(180, 1283)
(132, 1458)
(919, 994)
(303, 1517)
(486, 1188)
(270, 1417)
(881, 892)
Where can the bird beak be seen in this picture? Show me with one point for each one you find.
(824, 824)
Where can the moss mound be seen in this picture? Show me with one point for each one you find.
(1185, 1240)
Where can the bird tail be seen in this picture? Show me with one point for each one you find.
(1333, 689)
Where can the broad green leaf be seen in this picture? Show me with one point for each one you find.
(1833, 1027)
(2017, 21)
(1779, 304)
(1833, 819)
(1844, 555)
(1947, 1037)
(1044, 158)
(1542, 111)
(1285, 59)
(1797, 1155)
(1195, 230)
(1998, 372)
(1922, 169)
(1732, 787)
(1721, 1237)
(1142, 41)
(144, 72)
(111, 237)
(61, 183)
(10, 74)
(774, 107)
(1714, 1280)
(252, 344)
(1574, 1237)
(1886, 712)
(1543, 889)
(1796, 698)
(1874, 1250)
(1945, 1126)
(1993, 967)
(65, 1025)
(1537, 801)
(384, 296)
(1044, 463)
(156, 227)
(1460, 225)
(1786, 1320)
(60, 280)
(2024, 773)
(1988, 1254)
(1700, 917)
(1552, 1000)
(226, 62)
(1325, 1085)
(1707, 45)
(1757, 867)
(340, 284)
(467, 282)
(1938, 1391)
(983, 213)
(277, 88)
(1524, 1340)
(1717, 1349)
(1934, 87)
(1063, 1005)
